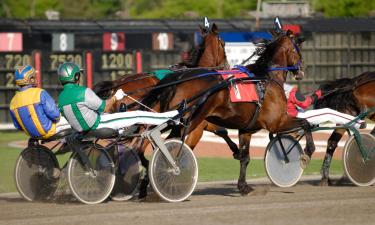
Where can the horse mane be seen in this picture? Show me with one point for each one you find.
(103, 89)
(195, 54)
(265, 53)
(342, 99)
(164, 95)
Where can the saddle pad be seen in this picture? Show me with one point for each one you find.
(241, 92)
(160, 74)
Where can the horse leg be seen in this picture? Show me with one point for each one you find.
(193, 138)
(145, 180)
(291, 123)
(242, 185)
(310, 146)
(331, 147)
(223, 133)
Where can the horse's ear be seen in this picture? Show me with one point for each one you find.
(214, 28)
(289, 33)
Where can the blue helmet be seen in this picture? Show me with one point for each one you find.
(23, 74)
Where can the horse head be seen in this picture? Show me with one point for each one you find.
(213, 48)
(279, 56)
(287, 54)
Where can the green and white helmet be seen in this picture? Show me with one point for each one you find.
(68, 73)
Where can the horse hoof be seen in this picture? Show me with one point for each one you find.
(324, 182)
(304, 161)
(245, 190)
(237, 156)
(343, 181)
(142, 194)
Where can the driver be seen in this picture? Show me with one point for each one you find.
(84, 109)
(298, 102)
(32, 109)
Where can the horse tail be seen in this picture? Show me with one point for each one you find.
(104, 89)
(342, 99)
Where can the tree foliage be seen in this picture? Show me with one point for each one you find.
(153, 9)
(345, 8)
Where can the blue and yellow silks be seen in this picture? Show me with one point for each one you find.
(34, 111)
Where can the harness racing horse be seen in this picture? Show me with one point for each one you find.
(209, 54)
(213, 105)
(351, 96)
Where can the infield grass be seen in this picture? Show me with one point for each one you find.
(210, 169)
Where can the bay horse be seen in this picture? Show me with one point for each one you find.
(209, 54)
(279, 56)
(351, 96)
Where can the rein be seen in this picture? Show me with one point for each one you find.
(286, 68)
(188, 79)
(348, 88)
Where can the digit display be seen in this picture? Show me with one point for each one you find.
(50, 64)
(8, 63)
(11, 42)
(113, 41)
(62, 42)
(113, 65)
(162, 41)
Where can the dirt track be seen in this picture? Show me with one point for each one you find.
(211, 203)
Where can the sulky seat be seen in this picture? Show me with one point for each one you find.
(102, 133)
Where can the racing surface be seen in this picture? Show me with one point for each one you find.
(211, 203)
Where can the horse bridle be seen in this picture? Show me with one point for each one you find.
(295, 67)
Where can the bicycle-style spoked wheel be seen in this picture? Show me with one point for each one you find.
(171, 185)
(282, 172)
(360, 171)
(91, 185)
(36, 173)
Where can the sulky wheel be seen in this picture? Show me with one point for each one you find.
(360, 171)
(281, 172)
(36, 173)
(170, 185)
(91, 185)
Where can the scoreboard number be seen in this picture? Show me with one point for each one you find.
(9, 62)
(62, 42)
(15, 60)
(9, 80)
(114, 41)
(11, 42)
(117, 61)
(162, 41)
(57, 59)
